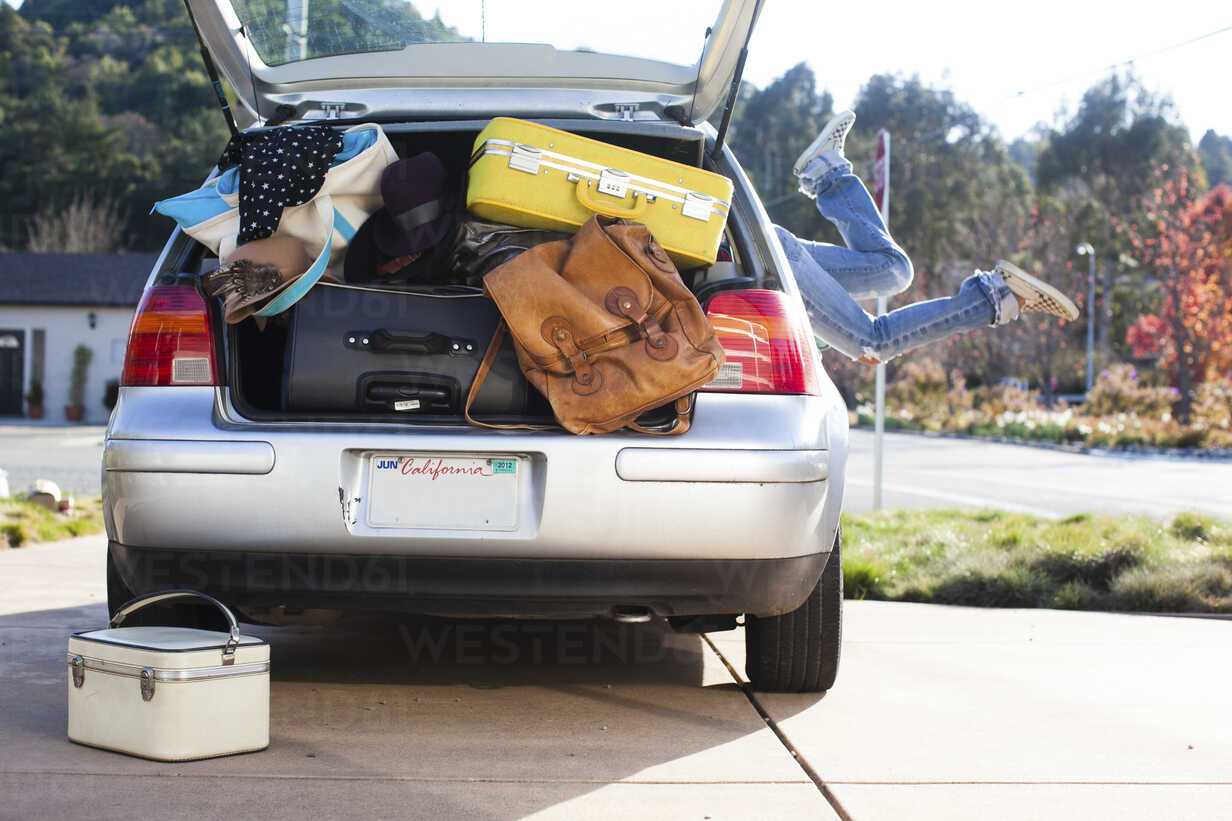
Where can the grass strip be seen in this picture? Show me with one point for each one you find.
(995, 559)
(23, 523)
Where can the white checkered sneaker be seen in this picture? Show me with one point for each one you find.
(1034, 294)
(832, 137)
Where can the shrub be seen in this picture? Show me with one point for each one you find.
(1097, 571)
(1191, 527)
(1118, 390)
(1176, 589)
(14, 533)
(862, 578)
(1122, 410)
(1014, 587)
(1074, 595)
(82, 357)
(920, 388)
(1212, 405)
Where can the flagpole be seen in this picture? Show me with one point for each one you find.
(881, 182)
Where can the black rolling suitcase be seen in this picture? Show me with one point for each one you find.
(412, 353)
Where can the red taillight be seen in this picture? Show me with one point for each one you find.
(768, 343)
(172, 340)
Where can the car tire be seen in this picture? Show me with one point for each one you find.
(118, 593)
(798, 652)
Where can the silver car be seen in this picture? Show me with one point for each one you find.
(209, 484)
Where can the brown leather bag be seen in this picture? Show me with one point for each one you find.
(604, 327)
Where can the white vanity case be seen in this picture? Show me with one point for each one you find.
(168, 693)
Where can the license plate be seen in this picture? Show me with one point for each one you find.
(426, 491)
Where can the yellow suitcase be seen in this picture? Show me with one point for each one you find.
(533, 176)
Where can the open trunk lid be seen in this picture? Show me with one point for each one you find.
(306, 59)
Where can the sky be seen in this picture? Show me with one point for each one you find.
(987, 52)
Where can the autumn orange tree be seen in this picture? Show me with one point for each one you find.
(1186, 240)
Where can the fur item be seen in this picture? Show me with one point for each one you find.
(242, 279)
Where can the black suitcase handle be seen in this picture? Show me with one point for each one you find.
(404, 391)
(425, 343)
(387, 393)
(428, 343)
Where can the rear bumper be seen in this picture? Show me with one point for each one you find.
(755, 478)
(487, 587)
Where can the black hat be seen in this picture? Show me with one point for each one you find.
(415, 218)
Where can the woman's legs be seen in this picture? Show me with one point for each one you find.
(832, 277)
(871, 264)
(981, 301)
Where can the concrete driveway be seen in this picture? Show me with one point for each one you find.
(939, 712)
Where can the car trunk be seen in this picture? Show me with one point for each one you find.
(259, 359)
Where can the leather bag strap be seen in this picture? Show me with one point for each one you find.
(485, 367)
(684, 420)
(684, 405)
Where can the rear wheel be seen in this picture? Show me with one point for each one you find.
(798, 652)
(118, 592)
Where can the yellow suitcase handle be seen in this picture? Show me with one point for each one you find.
(588, 200)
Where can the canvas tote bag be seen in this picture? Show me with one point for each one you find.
(350, 193)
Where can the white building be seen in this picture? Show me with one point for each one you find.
(50, 304)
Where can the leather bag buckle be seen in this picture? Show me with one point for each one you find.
(621, 301)
(559, 334)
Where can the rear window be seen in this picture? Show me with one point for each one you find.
(288, 31)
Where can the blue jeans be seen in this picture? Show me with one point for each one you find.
(832, 278)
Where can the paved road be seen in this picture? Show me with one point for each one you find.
(923, 472)
(939, 712)
(69, 455)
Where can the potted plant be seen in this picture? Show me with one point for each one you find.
(34, 400)
(75, 410)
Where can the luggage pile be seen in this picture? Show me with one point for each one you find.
(540, 283)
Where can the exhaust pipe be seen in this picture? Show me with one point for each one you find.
(631, 614)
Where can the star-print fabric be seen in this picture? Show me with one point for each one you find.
(279, 167)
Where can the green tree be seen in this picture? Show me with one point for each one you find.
(770, 127)
(118, 103)
(60, 13)
(949, 171)
(1215, 152)
(1119, 136)
(1112, 148)
(342, 26)
(118, 94)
